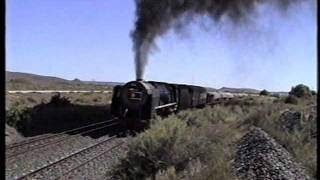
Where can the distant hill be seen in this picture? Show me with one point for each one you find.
(13, 76)
(280, 93)
(211, 89)
(27, 81)
(102, 83)
(250, 91)
(239, 90)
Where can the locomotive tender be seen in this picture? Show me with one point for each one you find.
(136, 102)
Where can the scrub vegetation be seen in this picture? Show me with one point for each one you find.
(35, 113)
(201, 143)
(32, 99)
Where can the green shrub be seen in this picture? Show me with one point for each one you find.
(291, 100)
(276, 95)
(172, 146)
(300, 91)
(15, 116)
(30, 99)
(57, 100)
(167, 143)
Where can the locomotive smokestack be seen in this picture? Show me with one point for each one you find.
(155, 17)
(139, 79)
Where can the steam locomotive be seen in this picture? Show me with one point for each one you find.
(136, 102)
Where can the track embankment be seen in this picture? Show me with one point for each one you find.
(259, 156)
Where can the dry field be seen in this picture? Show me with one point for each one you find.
(33, 99)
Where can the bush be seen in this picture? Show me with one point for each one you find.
(169, 143)
(30, 99)
(313, 93)
(291, 100)
(264, 93)
(201, 139)
(300, 91)
(57, 100)
(276, 95)
(16, 116)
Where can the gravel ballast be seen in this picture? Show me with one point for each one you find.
(27, 162)
(259, 156)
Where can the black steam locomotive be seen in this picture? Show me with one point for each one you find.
(136, 102)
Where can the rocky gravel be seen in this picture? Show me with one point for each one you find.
(12, 135)
(99, 165)
(259, 156)
(35, 159)
(25, 146)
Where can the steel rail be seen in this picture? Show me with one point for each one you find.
(89, 160)
(63, 139)
(56, 135)
(166, 105)
(65, 158)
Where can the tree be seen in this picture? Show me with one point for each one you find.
(264, 93)
(300, 91)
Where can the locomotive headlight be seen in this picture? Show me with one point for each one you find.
(134, 95)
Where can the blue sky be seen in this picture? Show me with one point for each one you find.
(90, 40)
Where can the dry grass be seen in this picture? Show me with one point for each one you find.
(33, 99)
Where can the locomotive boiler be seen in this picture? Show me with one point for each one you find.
(136, 102)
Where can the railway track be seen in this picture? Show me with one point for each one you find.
(31, 158)
(33, 144)
(66, 166)
(101, 157)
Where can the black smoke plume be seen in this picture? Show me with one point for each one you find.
(156, 17)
